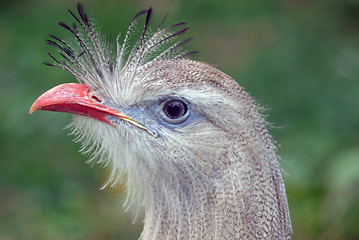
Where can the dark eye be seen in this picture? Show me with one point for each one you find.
(174, 111)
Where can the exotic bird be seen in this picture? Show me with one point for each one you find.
(184, 138)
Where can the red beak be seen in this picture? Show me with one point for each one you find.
(77, 98)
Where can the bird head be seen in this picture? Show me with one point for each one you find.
(179, 130)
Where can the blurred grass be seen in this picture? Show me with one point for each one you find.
(299, 58)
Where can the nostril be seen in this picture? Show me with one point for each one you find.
(95, 98)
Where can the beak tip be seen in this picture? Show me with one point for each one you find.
(34, 107)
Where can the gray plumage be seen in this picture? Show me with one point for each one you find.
(214, 176)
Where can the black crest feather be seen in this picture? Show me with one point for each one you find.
(88, 56)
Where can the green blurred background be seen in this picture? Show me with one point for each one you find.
(299, 58)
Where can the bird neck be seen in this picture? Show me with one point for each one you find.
(179, 212)
(229, 203)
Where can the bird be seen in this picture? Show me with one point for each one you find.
(189, 144)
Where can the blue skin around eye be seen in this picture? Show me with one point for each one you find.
(149, 115)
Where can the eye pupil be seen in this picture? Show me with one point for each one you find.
(175, 109)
